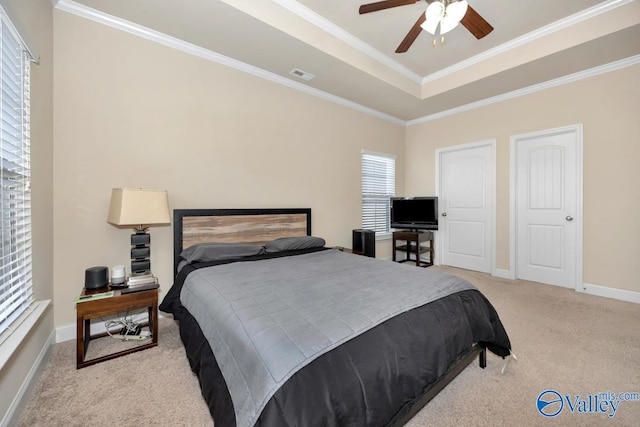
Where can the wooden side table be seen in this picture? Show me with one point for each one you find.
(413, 245)
(119, 303)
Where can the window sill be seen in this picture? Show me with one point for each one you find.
(383, 236)
(11, 338)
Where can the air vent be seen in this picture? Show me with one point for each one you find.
(302, 74)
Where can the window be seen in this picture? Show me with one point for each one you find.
(378, 186)
(16, 292)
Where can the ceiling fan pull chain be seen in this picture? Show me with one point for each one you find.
(435, 42)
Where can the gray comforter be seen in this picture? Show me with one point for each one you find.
(267, 319)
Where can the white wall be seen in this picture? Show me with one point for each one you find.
(607, 105)
(132, 113)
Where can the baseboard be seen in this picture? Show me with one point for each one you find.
(15, 409)
(503, 274)
(68, 333)
(587, 288)
(604, 291)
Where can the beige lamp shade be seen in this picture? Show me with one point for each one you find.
(139, 207)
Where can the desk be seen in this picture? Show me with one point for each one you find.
(411, 243)
(87, 310)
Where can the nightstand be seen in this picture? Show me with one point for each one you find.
(118, 303)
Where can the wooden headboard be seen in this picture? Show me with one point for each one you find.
(259, 226)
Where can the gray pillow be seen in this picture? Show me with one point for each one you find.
(204, 252)
(291, 243)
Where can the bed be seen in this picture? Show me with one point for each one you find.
(282, 330)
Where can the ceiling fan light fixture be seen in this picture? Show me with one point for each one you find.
(430, 25)
(448, 16)
(435, 10)
(434, 13)
(447, 24)
(453, 15)
(456, 10)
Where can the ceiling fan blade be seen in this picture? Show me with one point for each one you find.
(412, 35)
(382, 5)
(476, 24)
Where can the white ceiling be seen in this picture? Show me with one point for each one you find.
(353, 58)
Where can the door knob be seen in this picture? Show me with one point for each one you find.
(444, 214)
(569, 218)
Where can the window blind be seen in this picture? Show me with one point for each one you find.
(378, 186)
(16, 292)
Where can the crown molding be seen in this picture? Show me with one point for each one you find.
(580, 75)
(339, 33)
(348, 38)
(528, 38)
(86, 12)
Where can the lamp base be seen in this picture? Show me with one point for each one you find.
(140, 237)
(140, 252)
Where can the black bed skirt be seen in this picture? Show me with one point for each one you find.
(375, 379)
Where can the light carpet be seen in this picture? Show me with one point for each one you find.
(573, 343)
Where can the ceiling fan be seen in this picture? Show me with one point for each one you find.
(447, 13)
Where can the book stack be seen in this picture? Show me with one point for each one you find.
(141, 280)
(93, 297)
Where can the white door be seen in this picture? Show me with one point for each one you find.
(548, 204)
(466, 203)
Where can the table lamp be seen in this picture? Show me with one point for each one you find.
(139, 208)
